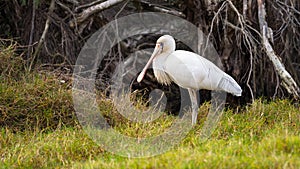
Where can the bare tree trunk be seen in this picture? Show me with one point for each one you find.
(288, 82)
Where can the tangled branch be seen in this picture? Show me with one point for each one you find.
(288, 82)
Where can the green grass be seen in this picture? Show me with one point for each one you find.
(264, 135)
(38, 129)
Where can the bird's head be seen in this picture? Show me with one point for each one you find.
(165, 44)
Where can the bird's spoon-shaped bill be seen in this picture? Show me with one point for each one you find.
(157, 50)
(141, 76)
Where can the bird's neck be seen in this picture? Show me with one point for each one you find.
(159, 69)
(159, 60)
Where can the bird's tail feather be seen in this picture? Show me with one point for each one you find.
(229, 85)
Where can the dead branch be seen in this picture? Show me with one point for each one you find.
(92, 10)
(42, 39)
(288, 82)
(245, 7)
(168, 11)
(32, 30)
(161, 9)
(88, 5)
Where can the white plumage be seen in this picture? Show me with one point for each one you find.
(188, 70)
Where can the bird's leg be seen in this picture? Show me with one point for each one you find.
(193, 96)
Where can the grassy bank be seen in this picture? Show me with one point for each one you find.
(240, 141)
(264, 135)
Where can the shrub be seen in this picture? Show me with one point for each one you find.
(31, 100)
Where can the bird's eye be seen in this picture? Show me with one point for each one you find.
(162, 46)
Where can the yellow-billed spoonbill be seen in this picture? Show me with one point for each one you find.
(188, 70)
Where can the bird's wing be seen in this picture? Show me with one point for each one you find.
(196, 72)
(190, 70)
(228, 84)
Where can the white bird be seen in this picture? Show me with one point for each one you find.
(188, 70)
